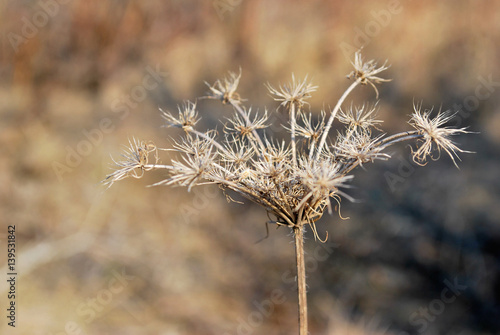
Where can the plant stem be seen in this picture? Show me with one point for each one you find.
(301, 278)
(292, 122)
(407, 135)
(332, 116)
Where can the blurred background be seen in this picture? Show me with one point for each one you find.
(419, 253)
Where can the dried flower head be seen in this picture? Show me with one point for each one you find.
(225, 90)
(135, 161)
(435, 135)
(187, 118)
(240, 125)
(296, 92)
(359, 118)
(359, 147)
(321, 181)
(294, 183)
(237, 152)
(308, 129)
(366, 72)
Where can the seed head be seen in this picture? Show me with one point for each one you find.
(295, 92)
(193, 167)
(294, 183)
(308, 130)
(359, 118)
(135, 161)
(237, 152)
(225, 90)
(187, 118)
(242, 127)
(321, 181)
(435, 135)
(366, 72)
(359, 146)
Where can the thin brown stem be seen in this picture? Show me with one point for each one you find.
(301, 277)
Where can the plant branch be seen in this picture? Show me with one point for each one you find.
(292, 122)
(333, 114)
(156, 166)
(407, 135)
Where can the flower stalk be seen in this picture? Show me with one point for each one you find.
(298, 232)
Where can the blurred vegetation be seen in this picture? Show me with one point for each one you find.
(190, 262)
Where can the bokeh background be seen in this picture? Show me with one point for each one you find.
(419, 253)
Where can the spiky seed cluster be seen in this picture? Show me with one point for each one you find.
(435, 135)
(135, 161)
(320, 179)
(192, 168)
(187, 118)
(293, 181)
(359, 146)
(225, 90)
(239, 124)
(366, 72)
(296, 92)
(359, 118)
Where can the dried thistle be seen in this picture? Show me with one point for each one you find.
(294, 184)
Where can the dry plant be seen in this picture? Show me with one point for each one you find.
(296, 181)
